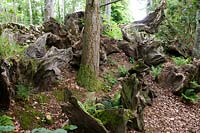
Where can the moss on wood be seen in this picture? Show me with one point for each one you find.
(87, 78)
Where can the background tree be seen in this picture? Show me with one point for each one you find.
(49, 9)
(89, 68)
(196, 49)
(108, 11)
(30, 12)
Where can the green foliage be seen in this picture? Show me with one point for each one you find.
(122, 71)
(70, 127)
(181, 61)
(8, 50)
(110, 81)
(190, 95)
(180, 23)
(113, 31)
(44, 130)
(4, 129)
(195, 84)
(6, 121)
(23, 92)
(87, 78)
(116, 101)
(120, 12)
(112, 62)
(28, 117)
(155, 71)
(131, 60)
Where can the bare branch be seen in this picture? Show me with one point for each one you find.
(109, 3)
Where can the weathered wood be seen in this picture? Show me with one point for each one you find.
(77, 116)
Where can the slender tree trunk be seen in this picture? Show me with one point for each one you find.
(49, 9)
(91, 37)
(91, 44)
(59, 14)
(62, 7)
(14, 16)
(30, 12)
(73, 5)
(108, 11)
(196, 49)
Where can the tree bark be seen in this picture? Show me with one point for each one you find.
(62, 7)
(89, 68)
(49, 9)
(196, 49)
(91, 36)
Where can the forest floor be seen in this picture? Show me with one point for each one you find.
(168, 113)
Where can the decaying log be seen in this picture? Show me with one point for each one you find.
(77, 116)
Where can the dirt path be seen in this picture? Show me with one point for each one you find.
(169, 115)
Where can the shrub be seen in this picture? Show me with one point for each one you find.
(155, 71)
(181, 61)
(122, 71)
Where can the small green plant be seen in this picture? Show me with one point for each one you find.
(110, 81)
(131, 60)
(112, 62)
(110, 78)
(6, 121)
(190, 95)
(23, 92)
(122, 71)
(155, 71)
(181, 61)
(194, 84)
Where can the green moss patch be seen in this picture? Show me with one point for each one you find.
(28, 118)
(87, 78)
(59, 94)
(42, 98)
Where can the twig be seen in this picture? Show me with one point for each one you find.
(109, 3)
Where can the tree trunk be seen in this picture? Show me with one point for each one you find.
(108, 11)
(30, 12)
(73, 6)
(49, 9)
(62, 7)
(196, 49)
(91, 44)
